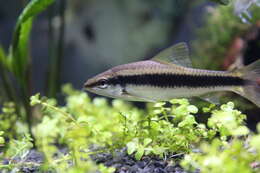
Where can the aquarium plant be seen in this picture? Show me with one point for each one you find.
(91, 134)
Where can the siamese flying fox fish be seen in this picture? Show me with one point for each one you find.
(169, 75)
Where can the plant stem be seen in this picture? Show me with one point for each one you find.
(66, 115)
(56, 56)
(10, 91)
(51, 50)
(28, 92)
(25, 94)
(28, 110)
(6, 84)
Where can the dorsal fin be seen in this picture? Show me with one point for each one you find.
(177, 54)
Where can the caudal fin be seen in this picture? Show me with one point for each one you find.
(251, 89)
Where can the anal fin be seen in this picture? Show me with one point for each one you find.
(211, 98)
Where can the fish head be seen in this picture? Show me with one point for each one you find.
(104, 84)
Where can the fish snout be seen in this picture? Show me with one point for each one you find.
(88, 84)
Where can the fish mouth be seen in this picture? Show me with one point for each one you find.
(88, 88)
(97, 91)
(91, 90)
(87, 84)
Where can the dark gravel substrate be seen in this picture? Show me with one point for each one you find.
(120, 160)
(127, 164)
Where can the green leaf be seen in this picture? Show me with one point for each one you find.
(2, 140)
(33, 9)
(1, 133)
(179, 101)
(241, 130)
(20, 53)
(192, 109)
(159, 104)
(104, 169)
(255, 142)
(35, 99)
(258, 127)
(3, 58)
(19, 47)
(159, 150)
(140, 152)
(131, 147)
(147, 141)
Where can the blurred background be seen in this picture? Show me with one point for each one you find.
(100, 34)
(72, 41)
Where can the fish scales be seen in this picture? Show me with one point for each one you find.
(159, 75)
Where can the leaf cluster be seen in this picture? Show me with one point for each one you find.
(15, 64)
(69, 135)
(238, 153)
(220, 28)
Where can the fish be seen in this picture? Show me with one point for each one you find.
(170, 75)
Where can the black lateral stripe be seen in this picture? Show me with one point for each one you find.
(177, 80)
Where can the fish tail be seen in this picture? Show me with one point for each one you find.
(251, 88)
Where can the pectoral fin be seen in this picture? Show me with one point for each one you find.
(131, 97)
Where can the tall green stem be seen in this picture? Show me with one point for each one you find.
(27, 94)
(56, 49)
(10, 90)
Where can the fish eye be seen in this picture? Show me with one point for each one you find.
(103, 83)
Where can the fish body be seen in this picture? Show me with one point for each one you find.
(160, 80)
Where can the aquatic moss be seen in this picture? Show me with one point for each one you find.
(85, 127)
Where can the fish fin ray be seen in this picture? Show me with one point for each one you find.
(211, 98)
(251, 90)
(131, 97)
(177, 54)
